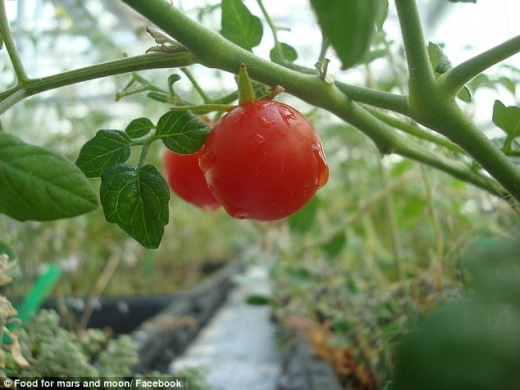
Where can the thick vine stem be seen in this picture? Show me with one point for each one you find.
(420, 72)
(454, 79)
(212, 50)
(433, 104)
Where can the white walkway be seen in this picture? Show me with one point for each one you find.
(238, 345)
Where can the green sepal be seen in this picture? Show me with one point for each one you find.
(136, 199)
(246, 93)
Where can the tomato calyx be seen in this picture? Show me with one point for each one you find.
(246, 93)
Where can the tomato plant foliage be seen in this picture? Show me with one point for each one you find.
(349, 28)
(423, 113)
(136, 199)
(38, 184)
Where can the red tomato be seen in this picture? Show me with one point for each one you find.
(264, 160)
(185, 178)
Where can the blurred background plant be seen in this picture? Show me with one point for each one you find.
(42, 348)
(355, 273)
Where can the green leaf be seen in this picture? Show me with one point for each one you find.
(441, 64)
(172, 79)
(349, 26)
(38, 184)
(465, 95)
(136, 199)
(463, 1)
(7, 250)
(334, 246)
(303, 220)
(182, 131)
(508, 119)
(298, 275)
(258, 300)
(107, 148)
(138, 128)
(508, 83)
(239, 25)
(439, 60)
(289, 53)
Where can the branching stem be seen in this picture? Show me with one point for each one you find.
(111, 68)
(453, 80)
(10, 45)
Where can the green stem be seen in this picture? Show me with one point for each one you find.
(144, 152)
(205, 98)
(12, 99)
(325, 44)
(406, 148)
(454, 79)
(439, 238)
(380, 99)
(434, 106)
(420, 73)
(397, 248)
(417, 131)
(273, 28)
(111, 68)
(201, 108)
(10, 45)
(212, 50)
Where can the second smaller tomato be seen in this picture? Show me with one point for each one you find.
(186, 179)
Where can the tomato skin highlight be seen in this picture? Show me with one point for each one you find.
(264, 161)
(185, 178)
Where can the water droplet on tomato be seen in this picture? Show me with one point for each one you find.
(264, 122)
(323, 168)
(254, 143)
(238, 118)
(287, 114)
(206, 160)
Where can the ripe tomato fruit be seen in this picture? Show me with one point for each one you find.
(264, 161)
(185, 178)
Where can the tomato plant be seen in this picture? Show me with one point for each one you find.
(186, 179)
(419, 109)
(264, 160)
